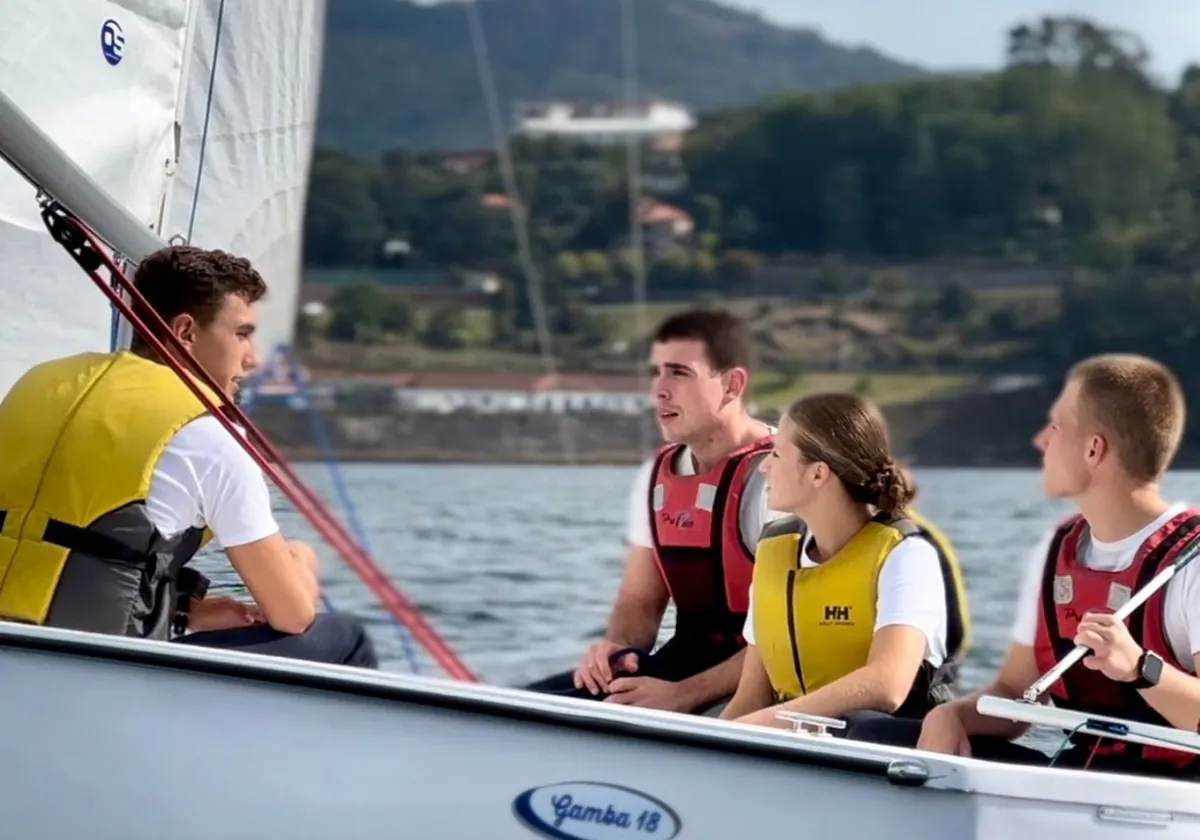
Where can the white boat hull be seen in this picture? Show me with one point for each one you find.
(123, 739)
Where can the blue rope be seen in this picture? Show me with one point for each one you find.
(115, 330)
(326, 445)
(1066, 742)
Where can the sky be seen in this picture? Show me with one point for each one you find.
(964, 34)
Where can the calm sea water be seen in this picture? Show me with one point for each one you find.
(517, 566)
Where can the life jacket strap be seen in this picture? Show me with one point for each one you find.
(85, 541)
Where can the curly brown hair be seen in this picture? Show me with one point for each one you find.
(184, 279)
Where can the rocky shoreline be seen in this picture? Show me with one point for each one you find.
(975, 430)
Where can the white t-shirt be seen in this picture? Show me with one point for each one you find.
(911, 592)
(753, 512)
(1182, 606)
(204, 477)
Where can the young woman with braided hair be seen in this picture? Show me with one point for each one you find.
(857, 609)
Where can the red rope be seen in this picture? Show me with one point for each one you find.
(284, 477)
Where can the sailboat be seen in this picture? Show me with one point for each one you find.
(108, 737)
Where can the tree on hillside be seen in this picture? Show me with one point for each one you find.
(1158, 316)
(735, 271)
(342, 224)
(954, 302)
(1078, 43)
(947, 165)
(403, 190)
(364, 312)
(503, 309)
(444, 330)
(353, 310)
(1066, 157)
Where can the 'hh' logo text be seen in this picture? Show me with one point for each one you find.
(837, 614)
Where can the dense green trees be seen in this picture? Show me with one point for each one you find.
(1069, 156)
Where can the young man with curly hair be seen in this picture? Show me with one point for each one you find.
(115, 476)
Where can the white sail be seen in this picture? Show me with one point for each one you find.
(249, 113)
(102, 80)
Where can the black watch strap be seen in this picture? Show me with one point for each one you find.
(1149, 670)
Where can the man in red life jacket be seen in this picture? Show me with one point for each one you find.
(1110, 437)
(696, 510)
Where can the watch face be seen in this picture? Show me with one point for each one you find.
(1152, 669)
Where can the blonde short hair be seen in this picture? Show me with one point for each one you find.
(1138, 404)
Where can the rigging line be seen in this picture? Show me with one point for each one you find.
(292, 364)
(208, 106)
(85, 247)
(246, 400)
(518, 213)
(114, 328)
(637, 244)
(247, 404)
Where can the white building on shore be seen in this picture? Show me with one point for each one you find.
(499, 393)
(604, 123)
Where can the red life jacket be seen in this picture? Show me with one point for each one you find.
(1070, 590)
(695, 524)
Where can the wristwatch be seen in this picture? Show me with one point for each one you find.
(1150, 666)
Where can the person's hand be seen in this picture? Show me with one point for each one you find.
(595, 671)
(1114, 652)
(649, 693)
(220, 612)
(943, 732)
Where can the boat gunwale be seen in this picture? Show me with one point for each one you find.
(945, 774)
(495, 701)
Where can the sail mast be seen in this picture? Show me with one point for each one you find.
(41, 161)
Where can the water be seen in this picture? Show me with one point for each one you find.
(517, 566)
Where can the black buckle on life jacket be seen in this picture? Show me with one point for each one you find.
(191, 583)
(190, 586)
(181, 615)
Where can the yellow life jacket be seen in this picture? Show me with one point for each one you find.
(80, 437)
(813, 626)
